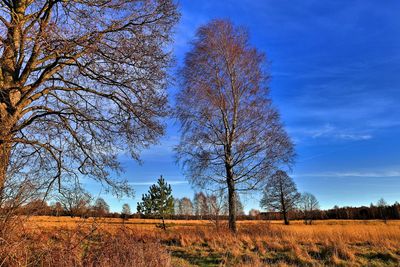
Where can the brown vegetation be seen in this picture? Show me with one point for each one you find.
(79, 244)
(98, 242)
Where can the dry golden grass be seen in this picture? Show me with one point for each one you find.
(257, 243)
(77, 244)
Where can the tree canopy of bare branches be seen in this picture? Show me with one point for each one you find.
(101, 207)
(184, 206)
(200, 204)
(232, 136)
(280, 194)
(382, 204)
(75, 201)
(80, 81)
(308, 204)
(126, 211)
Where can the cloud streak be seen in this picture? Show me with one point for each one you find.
(372, 174)
(151, 183)
(331, 132)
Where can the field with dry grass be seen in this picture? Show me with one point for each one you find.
(64, 241)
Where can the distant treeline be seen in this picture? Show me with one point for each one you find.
(101, 209)
(389, 212)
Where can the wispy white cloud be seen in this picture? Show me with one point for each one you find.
(330, 131)
(327, 129)
(372, 174)
(354, 137)
(151, 183)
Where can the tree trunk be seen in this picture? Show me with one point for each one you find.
(283, 204)
(163, 223)
(5, 151)
(232, 201)
(285, 218)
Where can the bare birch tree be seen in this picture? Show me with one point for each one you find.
(280, 194)
(382, 205)
(185, 207)
(308, 204)
(79, 82)
(217, 207)
(232, 136)
(200, 203)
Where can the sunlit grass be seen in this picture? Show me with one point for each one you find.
(198, 243)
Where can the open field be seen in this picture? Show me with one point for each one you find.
(198, 243)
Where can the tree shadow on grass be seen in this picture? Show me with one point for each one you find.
(385, 257)
(197, 258)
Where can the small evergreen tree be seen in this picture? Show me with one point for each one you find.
(158, 202)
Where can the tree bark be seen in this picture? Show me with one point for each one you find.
(231, 200)
(285, 218)
(5, 151)
(163, 223)
(283, 204)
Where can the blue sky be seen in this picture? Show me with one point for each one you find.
(335, 68)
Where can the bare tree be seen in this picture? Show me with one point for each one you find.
(36, 207)
(254, 213)
(57, 209)
(177, 206)
(185, 207)
(15, 194)
(232, 137)
(308, 204)
(79, 82)
(217, 206)
(100, 207)
(75, 201)
(280, 194)
(200, 203)
(126, 211)
(382, 205)
(238, 205)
